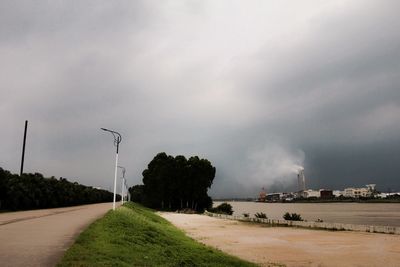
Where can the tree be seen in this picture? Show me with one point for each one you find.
(34, 191)
(177, 183)
(3, 185)
(137, 193)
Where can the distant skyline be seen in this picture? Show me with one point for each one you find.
(259, 88)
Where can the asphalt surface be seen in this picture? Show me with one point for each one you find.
(41, 237)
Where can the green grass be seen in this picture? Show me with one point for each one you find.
(136, 236)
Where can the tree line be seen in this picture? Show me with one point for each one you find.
(33, 191)
(171, 183)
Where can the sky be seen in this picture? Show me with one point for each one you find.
(260, 88)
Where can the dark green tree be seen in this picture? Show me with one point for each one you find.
(137, 193)
(175, 182)
(33, 191)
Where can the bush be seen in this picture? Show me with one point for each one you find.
(186, 211)
(246, 215)
(223, 208)
(292, 217)
(261, 215)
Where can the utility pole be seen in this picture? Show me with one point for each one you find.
(117, 140)
(23, 150)
(122, 184)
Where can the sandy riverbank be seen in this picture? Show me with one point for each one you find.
(290, 246)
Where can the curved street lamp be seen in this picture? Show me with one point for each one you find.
(117, 140)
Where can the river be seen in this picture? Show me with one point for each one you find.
(353, 213)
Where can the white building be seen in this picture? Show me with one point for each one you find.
(359, 192)
(337, 193)
(385, 195)
(371, 187)
(382, 195)
(311, 193)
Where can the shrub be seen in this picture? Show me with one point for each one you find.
(292, 217)
(223, 208)
(186, 211)
(246, 215)
(261, 215)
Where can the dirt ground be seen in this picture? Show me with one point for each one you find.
(270, 246)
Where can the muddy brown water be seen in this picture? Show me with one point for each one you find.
(352, 213)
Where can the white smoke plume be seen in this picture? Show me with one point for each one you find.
(274, 165)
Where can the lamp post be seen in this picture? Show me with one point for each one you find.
(122, 184)
(126, 191)
(117, 140)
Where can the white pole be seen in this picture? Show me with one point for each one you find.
(122, 191)
(115, 179)
(117, 140)
(125, 191)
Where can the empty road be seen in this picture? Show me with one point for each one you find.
(40, 237)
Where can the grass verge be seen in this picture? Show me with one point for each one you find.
(136, 236)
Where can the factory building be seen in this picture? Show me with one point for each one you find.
(311, 193)
(326, 194)
(367, 191)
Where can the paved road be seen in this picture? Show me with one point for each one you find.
(40, 237)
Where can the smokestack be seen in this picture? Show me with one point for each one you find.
(301, 180)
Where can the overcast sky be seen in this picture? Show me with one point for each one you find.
(257, 87)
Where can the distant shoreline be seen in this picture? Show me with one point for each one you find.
(335, 212)
(312, 201)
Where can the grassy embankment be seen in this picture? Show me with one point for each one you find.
(136, 236)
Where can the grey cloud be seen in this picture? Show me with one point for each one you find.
(208, 79)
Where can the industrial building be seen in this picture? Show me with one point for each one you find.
(367, 191)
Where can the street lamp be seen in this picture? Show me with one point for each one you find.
(127, 198)
(123, 183)
(117, 140)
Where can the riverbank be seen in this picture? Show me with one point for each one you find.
(312, 225)
(290, 246)
(136, 236)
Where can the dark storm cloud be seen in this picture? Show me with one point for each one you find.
(259, 88)
(336, 96)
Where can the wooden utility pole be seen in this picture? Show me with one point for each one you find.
(23, 149)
